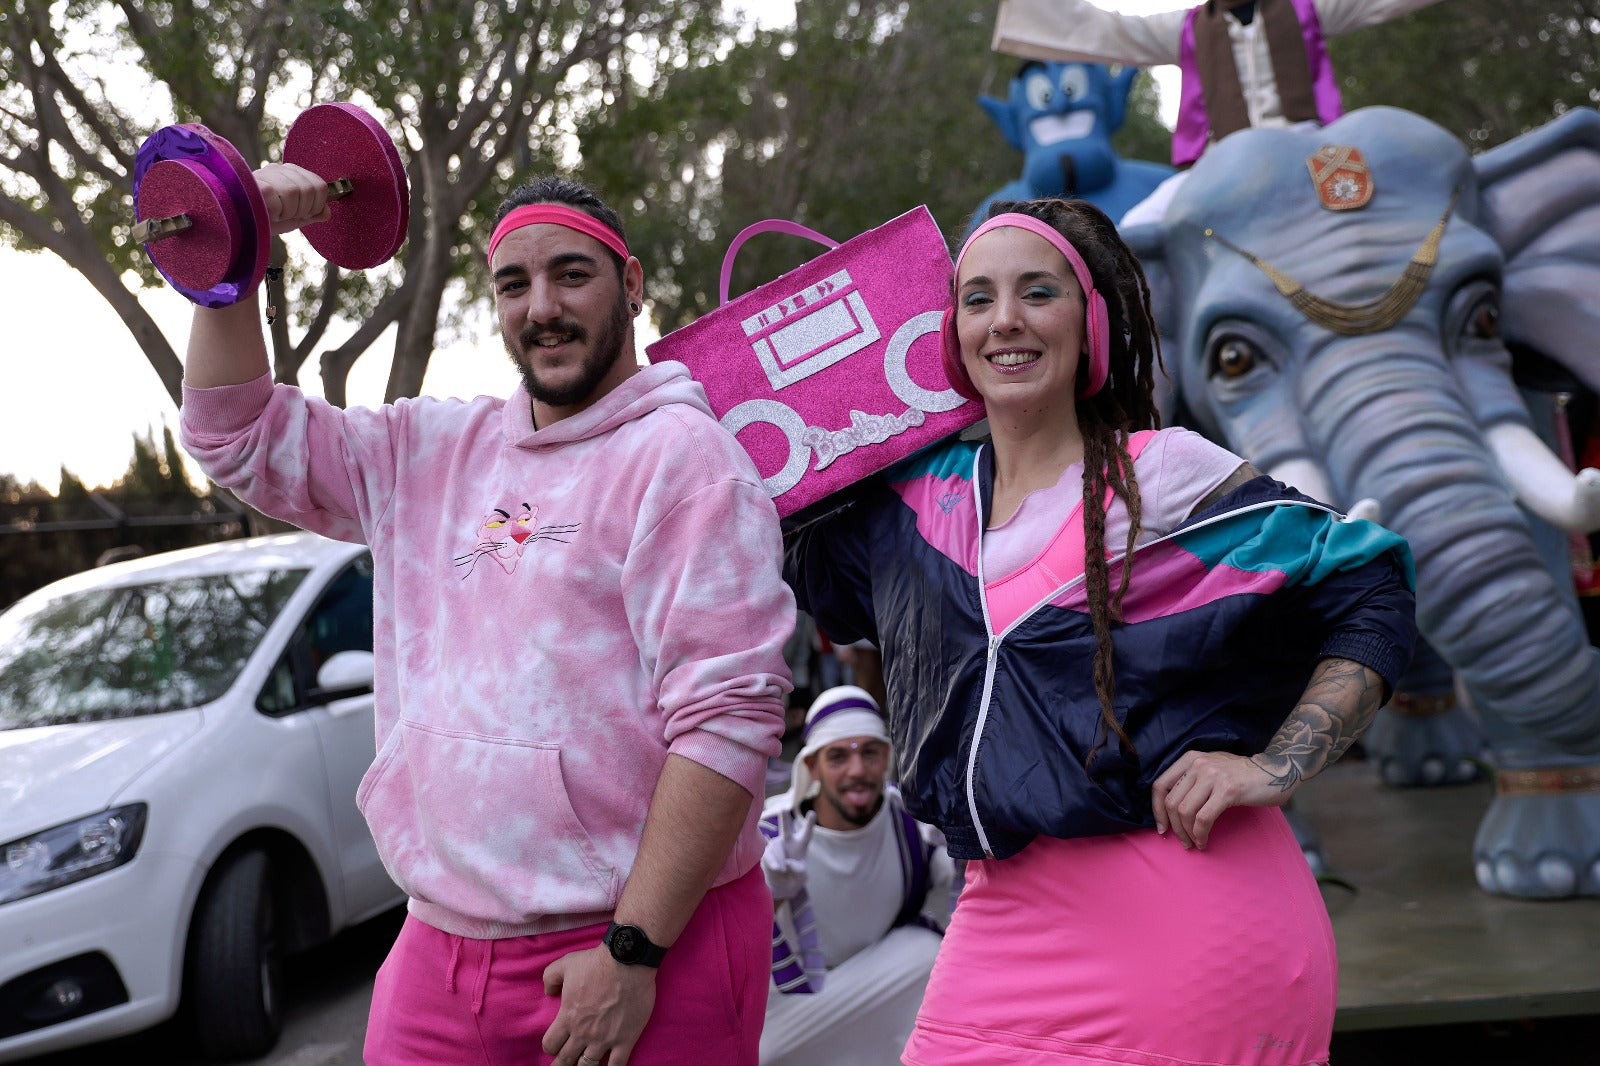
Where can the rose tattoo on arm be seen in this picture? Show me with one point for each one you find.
(1338, 705)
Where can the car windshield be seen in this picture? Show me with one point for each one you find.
(133, 650)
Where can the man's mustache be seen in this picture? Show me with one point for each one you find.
(563, 325)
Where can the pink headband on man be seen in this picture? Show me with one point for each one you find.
(1096, 322)
(560, 215)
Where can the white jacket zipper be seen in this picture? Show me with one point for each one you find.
(995, 640)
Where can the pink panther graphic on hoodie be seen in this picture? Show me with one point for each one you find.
(504, 537)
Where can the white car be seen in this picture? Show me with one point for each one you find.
(181, 738)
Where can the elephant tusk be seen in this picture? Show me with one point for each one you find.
(1543, 483)
(1304, 475)
(1366, 509)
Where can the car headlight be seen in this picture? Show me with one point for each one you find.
(70, 852)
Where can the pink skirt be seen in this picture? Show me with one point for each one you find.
(1130, 950)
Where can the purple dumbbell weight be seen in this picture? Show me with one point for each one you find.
(202, 220)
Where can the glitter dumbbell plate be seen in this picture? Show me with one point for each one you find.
(221, 256)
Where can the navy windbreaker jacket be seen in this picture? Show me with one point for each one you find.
(1223, 622)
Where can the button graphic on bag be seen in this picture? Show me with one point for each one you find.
(811, 330)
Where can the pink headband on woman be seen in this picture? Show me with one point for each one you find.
(560, 215)
(1096, 323)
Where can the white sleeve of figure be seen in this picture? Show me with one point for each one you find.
(941, 877)
(1346, 16)
(1076, 31)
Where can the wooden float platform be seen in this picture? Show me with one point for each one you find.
(1419, 943)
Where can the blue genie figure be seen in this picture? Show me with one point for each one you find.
(1061, 116)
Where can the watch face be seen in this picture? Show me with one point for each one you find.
(631, 946)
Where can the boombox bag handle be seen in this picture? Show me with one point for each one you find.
(768, 225)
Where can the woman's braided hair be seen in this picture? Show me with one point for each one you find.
(1125, 405)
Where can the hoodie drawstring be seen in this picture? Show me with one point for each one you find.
(450, 971)
(483, 976)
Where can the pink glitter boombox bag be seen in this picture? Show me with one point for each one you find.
(832, 372)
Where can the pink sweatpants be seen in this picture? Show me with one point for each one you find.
(445, 1000)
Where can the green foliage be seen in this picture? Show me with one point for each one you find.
(72, 490)
(155, 475)
(857, 113)
(151, 508)
(1142, 135)
(1487, 70)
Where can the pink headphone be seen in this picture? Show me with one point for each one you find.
(1096, 323)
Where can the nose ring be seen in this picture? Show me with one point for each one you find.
(993, 332)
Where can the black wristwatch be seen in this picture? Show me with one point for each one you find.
(630, 946)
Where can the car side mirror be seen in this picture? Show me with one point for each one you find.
(349, 673)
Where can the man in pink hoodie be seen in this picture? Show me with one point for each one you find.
(579, 659)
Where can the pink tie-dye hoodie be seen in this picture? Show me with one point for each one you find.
(556, 611)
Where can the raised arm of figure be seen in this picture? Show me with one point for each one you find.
(1346, 16)
(226, 345)
(1076, 31)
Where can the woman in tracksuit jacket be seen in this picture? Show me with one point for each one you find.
(1112, 653)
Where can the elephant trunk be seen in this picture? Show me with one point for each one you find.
(1388, 418)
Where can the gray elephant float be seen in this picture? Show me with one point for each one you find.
(1341, 306)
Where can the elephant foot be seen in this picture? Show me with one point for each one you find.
(1310, 841)
(1421, 741)
(1540, 838)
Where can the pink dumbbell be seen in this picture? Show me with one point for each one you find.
(202, 221)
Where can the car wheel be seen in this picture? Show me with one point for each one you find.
(235, 983)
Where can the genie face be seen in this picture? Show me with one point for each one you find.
(1061, 117)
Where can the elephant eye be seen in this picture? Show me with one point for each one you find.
(1485, 321)
(1236, 357)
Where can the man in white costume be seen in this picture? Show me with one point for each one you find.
(861, 892)
(1245, 63)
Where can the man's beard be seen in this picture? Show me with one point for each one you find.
(603, 355)
(849, 812)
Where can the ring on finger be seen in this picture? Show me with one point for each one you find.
(586, 1058)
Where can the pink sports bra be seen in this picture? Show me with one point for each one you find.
(1012, 596)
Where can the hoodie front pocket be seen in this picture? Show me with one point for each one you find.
(484, 827)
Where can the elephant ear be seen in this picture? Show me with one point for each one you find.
(1540, 198)
(1149, 243)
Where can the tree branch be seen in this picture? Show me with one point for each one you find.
(33, 227)
(336, 362)
(110, 139)
(331, 280)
